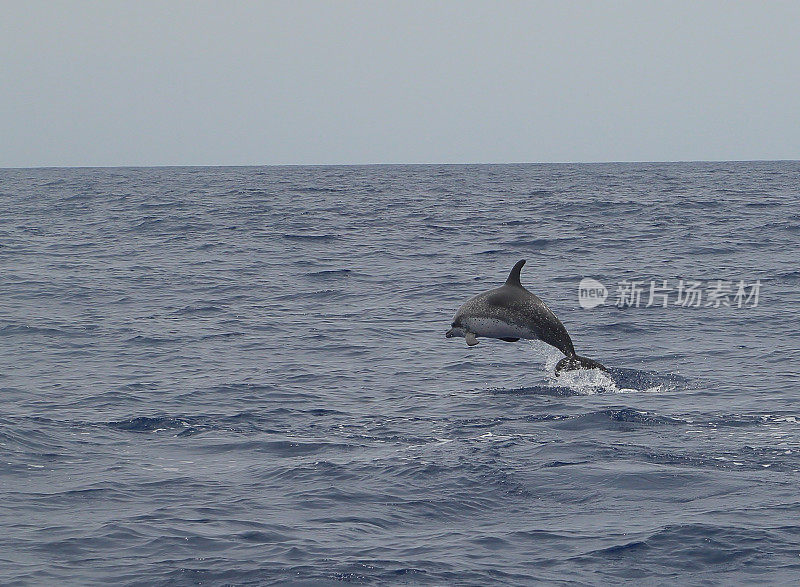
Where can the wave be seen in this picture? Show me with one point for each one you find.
(538, 243)
(15, 329)
(149, 424)
(198, 310)
(331, 273)
(310, 237)
(700, 548)
(617, 418)
(152, 340)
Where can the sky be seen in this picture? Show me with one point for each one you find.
(112, 83)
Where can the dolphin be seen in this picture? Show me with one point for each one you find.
(511, 312)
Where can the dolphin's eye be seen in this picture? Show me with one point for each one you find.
(453, 325)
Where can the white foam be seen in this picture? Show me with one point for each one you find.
(582, 381)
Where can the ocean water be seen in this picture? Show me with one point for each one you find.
(240, 376)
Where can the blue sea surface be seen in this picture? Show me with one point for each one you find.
(240, 376)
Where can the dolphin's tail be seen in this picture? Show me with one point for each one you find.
(571, 363)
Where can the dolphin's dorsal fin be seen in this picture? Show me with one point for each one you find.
(513, 277)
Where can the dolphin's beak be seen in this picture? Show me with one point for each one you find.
(449, 334)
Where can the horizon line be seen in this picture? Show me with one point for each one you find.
(407, 164)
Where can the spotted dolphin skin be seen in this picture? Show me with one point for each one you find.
(511, 313)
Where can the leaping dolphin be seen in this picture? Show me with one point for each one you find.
(511, 312)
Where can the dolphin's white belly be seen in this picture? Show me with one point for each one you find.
(494, 328)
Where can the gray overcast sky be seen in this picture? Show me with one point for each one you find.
(205, 83)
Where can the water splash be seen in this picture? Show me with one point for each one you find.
(592, 381)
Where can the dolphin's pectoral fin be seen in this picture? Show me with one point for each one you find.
(509, 339)
(471, 339)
